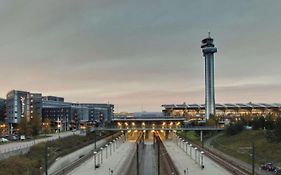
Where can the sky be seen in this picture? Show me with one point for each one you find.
(140, 54)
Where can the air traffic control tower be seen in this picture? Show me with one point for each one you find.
(208, 49)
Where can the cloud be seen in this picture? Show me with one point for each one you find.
(139, 52)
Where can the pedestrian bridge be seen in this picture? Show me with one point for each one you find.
(208, 128)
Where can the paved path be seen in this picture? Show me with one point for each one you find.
(114, 162)
(183, 161)
(12, 146)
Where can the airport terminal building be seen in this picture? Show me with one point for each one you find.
(226, 109)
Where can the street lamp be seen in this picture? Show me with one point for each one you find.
(110, 144)
(95, 159)
(101, 154)
(106, 150)
(190, 153)
(202, 165)
(195, 152)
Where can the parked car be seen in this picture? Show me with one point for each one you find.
(268, 167)
(278, 171)
(13, 138)
(22, 137)
(3, 140)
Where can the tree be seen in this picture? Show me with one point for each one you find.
(277, 129)
(35, 124)
(234, 128)
(269, 123)
(46, 126)
(24, 128)
(258, 123)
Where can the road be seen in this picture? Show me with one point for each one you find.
(12, 146)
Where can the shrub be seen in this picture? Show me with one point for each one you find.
(234, 128)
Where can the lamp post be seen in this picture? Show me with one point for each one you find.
(101, 154)
(95, 159)
(195, 152)
(106, 150)
(202, 164)
(110, 144)
(46, 159)
(190, 153)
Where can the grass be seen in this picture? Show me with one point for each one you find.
(239, 146)
(30, 163)
(190, 135)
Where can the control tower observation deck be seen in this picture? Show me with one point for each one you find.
(208, 49)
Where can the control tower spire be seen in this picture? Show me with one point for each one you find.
(208, 49)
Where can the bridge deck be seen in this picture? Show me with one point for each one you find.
(159, 129)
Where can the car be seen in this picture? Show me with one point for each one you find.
(22, 137)
(268, 167)
(277, 171)
(12, 138)
(3, 140)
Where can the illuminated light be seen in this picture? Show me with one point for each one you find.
(161, 130)
(135, 131)
(152, 131)
(119, 124)
(129, 131)
(164, 123)
(171, 123)
(133, 124)
(126, 123)
(144, 130)
(143, 123)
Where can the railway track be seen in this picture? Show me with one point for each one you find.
(229, 165)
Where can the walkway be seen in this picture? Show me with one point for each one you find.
(114, 162)
(183, 161)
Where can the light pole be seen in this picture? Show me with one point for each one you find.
(195, 152)
(46, 159)
(253, 158)
(110, 144)
(186, 147)
(106, 150)
(202, 164)
(95, 159)
(101, 154)
(190, 152)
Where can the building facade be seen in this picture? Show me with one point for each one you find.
(72, 115)
(62, 115)
(20, 104)
(230, 110)
(2, 110)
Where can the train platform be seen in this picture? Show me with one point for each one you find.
(186, 164)
(110, 164)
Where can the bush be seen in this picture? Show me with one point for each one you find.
(234, 128)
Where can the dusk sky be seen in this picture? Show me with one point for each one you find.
(140, 53)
